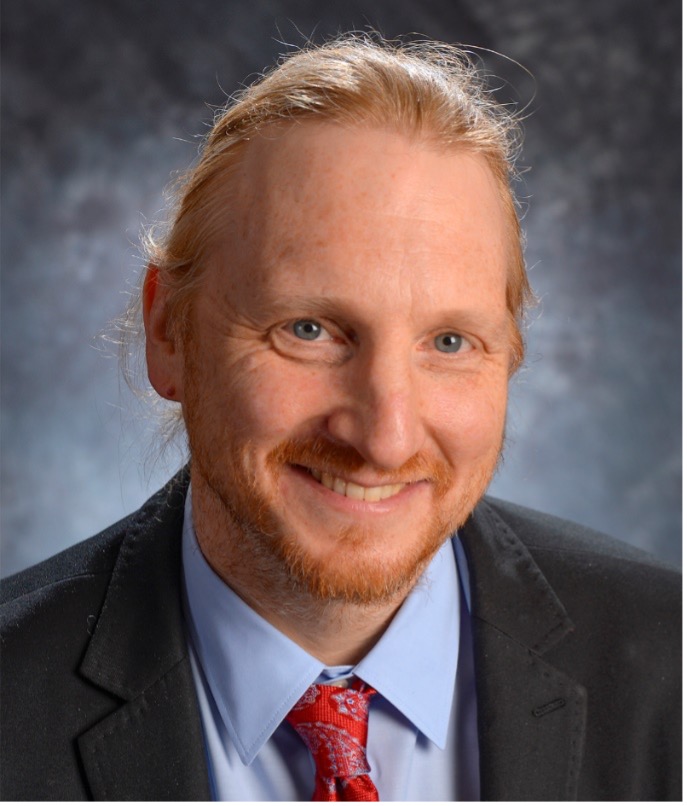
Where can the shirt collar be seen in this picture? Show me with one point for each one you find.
(256, 674)
(414, 664)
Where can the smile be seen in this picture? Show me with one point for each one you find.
(352, 490)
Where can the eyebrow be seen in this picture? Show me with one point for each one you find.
(496, 325)
(292, 303)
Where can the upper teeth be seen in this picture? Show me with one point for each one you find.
(352, 490)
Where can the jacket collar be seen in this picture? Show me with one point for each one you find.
(139, 635)
(531, 716)
(500, 563)
(152, 746)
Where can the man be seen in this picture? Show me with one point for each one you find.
(335, 309)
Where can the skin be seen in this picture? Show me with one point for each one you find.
(342, 260)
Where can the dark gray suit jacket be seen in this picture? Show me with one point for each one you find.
(577, 647)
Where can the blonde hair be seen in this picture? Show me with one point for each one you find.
(426, 89)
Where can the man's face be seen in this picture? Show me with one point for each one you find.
(345, 372)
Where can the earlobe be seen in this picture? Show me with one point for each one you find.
(163, 355)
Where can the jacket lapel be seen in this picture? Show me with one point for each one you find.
(531, 717)
(152, 747)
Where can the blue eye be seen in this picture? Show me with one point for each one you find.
(307, 329)
(448, 342)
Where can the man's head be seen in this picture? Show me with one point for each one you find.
(336, 309)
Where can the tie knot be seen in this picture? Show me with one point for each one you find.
(332, 721)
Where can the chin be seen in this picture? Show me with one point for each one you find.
(268, 548)
(359, 564)
(355, 575)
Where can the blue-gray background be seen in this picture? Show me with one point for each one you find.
(102, 102)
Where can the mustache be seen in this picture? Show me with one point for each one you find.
(331, 457)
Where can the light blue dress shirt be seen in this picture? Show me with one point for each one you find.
(422, 739)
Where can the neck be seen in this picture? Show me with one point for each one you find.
(336, 632)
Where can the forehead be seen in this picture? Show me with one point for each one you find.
(313, 200)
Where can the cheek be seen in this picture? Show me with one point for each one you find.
(272, 397)
(470, 418)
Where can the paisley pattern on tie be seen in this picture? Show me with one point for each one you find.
(333, 724)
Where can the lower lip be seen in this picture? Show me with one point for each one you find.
(354, 505)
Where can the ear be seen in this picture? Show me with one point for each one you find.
(163, 353)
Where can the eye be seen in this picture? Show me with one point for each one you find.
(308, 330)
(450, 342)
(310, 340)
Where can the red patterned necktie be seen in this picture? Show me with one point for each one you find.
(332, 721)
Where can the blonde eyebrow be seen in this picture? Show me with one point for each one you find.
(294, 304)
(496, 326)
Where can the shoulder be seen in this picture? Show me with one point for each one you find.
(540, 531)
(47, 592)
(91, 557)
(624, 606)
(82, 571)
(545, 534)
(590, 569)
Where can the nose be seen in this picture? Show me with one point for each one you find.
(380, 415)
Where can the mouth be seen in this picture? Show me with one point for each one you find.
(350, 489)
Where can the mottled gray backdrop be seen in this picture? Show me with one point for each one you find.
(103, 101)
